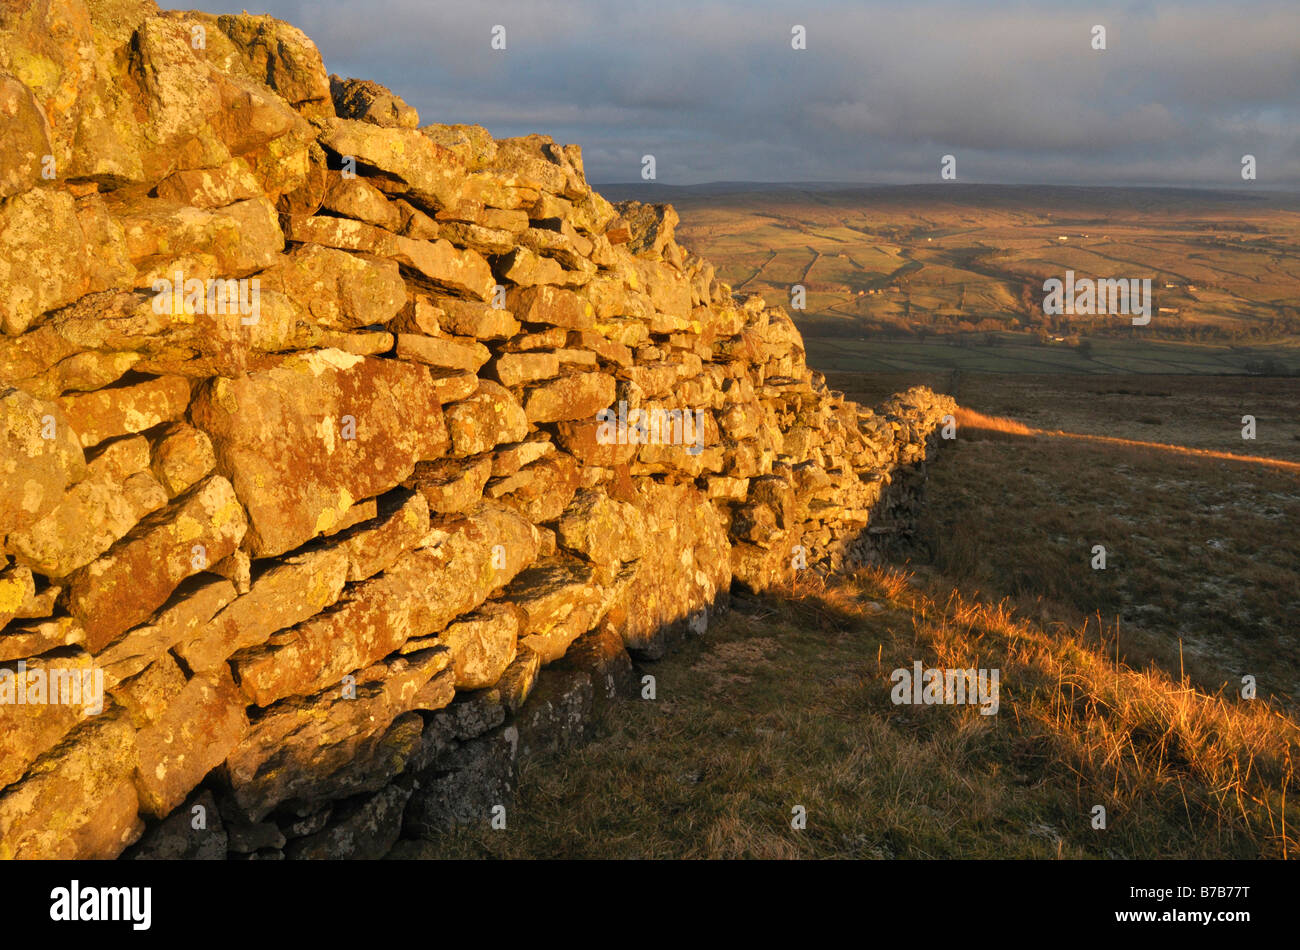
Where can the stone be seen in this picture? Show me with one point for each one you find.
(198, 730)
(557, 713)
(27, 136)
(650, 227)
(356, 198)
(473, 556)
(40, 457)
(443, 353)
(148, 694)
(585, 440)
(539, 491)
(452, 485)
(553, 306)
(558, 605)
(364, 830)
(414, 223)
(537, 161)
(490, 190)
(187, 612)
(579, 396)
(439, 265)
(41, 602)
(116, 493)
(565, 245)
(80, 372)
(283, 594)
(338, 290)
(371, 547)
(485, 420)
(486, 241)
(43, 258)
(600, 654)
(78, 802)
(122, 410)
(515, 684)
(17, 588)
(602, 529)
(472, 143)
(43, 635)
(133, 578)
(29, 730)
(284, 58)
(370, 102)
(684, 569)
(420, 316)
(312, 822)
(514, 369)
(481, 321)
(524, 268)
(181, 456)
(454, 387)
(508, 459)
(211, 187)
(254, 837)
(303, 441)
(295, 750)
(430, 173)
(482, 644)
(163, 237)
(464, 786)
(176, 838)
(548, 338)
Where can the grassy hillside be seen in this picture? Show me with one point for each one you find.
(787, 703)
(1119, 688)
(966, 263)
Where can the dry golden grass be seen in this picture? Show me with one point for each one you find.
(989, 427)
(1203, 568)
(787, 702)
(1119, 688)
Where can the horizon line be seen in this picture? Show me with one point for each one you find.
(824, 183)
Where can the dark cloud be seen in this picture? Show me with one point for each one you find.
(715, 92)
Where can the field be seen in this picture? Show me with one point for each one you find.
(1024, 353)
(968, 261)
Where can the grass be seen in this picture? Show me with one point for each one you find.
(1021, 353)
(786, 702)
(964, 261)
(1202, 569)
(1119, 688)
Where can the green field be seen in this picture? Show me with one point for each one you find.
(1018, 353)
(917, 263)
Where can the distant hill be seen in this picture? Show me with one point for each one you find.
(954, 265)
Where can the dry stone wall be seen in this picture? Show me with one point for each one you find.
(323, 432)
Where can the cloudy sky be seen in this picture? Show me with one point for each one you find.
(714, 90)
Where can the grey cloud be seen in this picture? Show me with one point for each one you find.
(714, 90)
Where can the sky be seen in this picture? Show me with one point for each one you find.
(715, 91)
